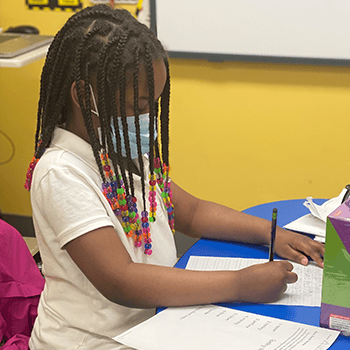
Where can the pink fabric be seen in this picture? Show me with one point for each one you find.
(17, 342)
(20, 287)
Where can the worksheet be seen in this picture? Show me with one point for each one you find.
(307, 291)
(214, 327)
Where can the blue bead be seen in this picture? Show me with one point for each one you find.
(170, 209)
(170, 217)
(125, 219)
(145, 224)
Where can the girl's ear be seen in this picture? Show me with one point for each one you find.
(74, 95)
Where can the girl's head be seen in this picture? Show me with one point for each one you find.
(105, 59)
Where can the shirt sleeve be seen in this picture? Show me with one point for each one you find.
(71, 203)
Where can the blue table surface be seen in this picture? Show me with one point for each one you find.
(288, 211)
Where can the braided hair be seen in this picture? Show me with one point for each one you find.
(106, 44)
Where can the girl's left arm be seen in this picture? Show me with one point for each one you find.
(199, 218)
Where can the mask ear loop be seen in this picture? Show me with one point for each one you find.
(94, 101)
(96, 113)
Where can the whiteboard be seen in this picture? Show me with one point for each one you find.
(255, 29)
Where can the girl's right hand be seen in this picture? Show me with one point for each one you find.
(264, 283)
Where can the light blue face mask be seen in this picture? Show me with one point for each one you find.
(144, 121)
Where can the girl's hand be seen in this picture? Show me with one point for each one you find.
(297, 247)
(264, 283)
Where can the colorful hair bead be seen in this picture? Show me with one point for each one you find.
(30, 171)
(126, 206)
(167, 197)
(116, 195)
(152, 197)
(31, 167)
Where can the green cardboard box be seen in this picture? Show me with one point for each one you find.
(335, 306)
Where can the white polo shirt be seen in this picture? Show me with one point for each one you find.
(67, 202)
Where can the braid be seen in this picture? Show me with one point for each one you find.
(165, 97)
(137, 122)
(122, 87)
(84, 101)
(150, 78)
(116, 157)
(101, 87)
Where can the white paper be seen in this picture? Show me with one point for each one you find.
(315, 223)
(308, 224)
(214, 327)
(306, 291)
(321, 211)
(320, 239)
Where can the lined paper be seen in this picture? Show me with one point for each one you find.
(214, 327)
(307, 291)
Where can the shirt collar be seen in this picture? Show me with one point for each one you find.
(72, 143)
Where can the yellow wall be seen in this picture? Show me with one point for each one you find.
(250, 133)
(241, 133)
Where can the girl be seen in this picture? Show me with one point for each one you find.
(104, 210)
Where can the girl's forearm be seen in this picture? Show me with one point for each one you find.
(148, 286)
(212, 220)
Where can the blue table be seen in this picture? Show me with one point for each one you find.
(287, 212)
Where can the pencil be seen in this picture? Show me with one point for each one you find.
(273, 234)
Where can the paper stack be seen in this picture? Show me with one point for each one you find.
(315, 223)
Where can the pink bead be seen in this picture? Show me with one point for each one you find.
(157, 163)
